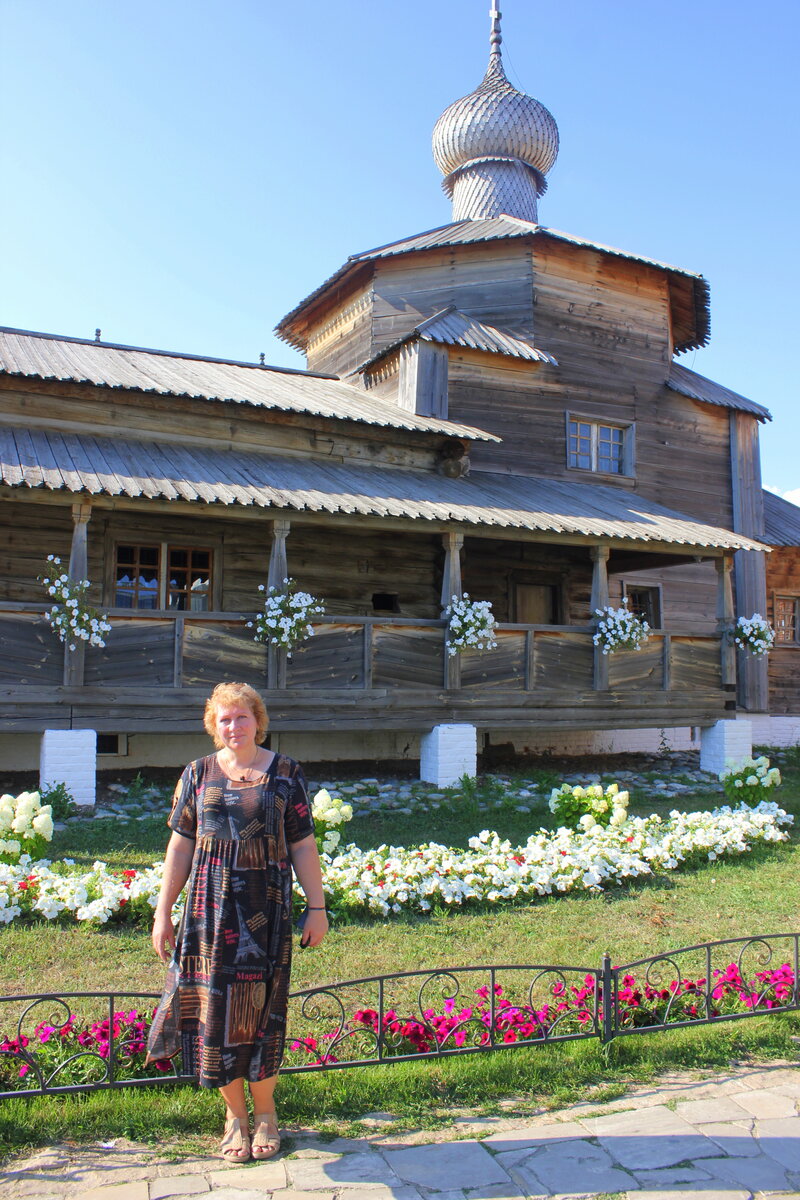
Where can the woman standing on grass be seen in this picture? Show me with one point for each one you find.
(241, 820)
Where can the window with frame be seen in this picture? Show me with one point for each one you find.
(644, 603)
(163, 576)
(595, 446)
(787, 620)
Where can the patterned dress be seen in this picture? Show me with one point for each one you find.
(224, 1003)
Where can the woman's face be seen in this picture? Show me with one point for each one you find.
(236, 728)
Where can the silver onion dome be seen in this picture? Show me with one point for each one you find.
(495, 146)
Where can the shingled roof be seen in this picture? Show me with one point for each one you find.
(453, 328)
(44, 356)
(81, 463)
(689, 383)
(781, 521)
(491, 229)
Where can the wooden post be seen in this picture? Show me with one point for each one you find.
(725, 621)
(451, 586)
(451, 579)
(78, 567)
(277, 574)
(750, 579)
(599, 599)
(278, 568)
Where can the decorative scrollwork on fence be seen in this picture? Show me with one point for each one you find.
(417, 1014)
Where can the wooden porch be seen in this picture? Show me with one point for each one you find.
(357, 672)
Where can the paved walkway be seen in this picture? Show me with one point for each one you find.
(733, 1137)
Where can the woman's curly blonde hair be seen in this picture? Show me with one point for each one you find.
(235, 693)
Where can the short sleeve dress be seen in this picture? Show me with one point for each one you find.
(224, 1003)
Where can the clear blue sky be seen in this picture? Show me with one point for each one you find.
(181, 172)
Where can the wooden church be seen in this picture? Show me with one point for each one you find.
(493, 406)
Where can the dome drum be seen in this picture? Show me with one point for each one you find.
(490, 187)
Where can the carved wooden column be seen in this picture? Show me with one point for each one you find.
(278, 572)
(451, 586)
(78, 569)
(725, 620)
(599, 599)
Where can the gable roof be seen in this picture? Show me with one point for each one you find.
(781, 521)
(689, 383)
(45, 356)
(174, 471)
(453, 328)
(490, 229)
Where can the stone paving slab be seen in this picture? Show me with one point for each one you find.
(766, 1104)
(656, 1137)
(570, 1168)
(760, 1174)
(446, 1165)
(704, 1194)
(732, 1138)
(780, 1139)
(533, 1136)
(178, 1185)
(340, 1171)
(721, 1108)
(270, 1176)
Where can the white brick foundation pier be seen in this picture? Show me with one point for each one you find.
(447, 753)
(69, 756)
(727, 742)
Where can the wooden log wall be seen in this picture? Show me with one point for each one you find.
(490, 570)
(492, 282)
(339, 341)
(28, 533)
(688, 594)
(783, 579)
(607, 323)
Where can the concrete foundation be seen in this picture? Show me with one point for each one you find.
(447, 753)
(727, 743)
(69, 756)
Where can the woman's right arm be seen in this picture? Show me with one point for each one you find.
(177, 868)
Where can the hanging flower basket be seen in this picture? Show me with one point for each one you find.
(285, 621)
(71, 618)
(471, 625)
(619, 629)
(753, 634)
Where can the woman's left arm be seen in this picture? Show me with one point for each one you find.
(307, 868)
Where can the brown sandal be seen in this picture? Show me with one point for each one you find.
(266, 1136)
(235, 1145)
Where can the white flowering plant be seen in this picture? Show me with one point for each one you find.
(584, 807)
(750, 781)
(753, 634)
(26, 826)
(285, 620)
(419, 878)
(71, 617)
(619, 629)
(329, 811)
(470, 625)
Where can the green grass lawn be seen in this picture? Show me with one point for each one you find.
(754, 895)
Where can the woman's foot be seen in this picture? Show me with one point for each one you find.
(235, 1146)
(266, 1138)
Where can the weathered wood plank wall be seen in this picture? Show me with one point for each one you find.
(783, 579)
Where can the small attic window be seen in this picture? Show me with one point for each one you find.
(385, 602)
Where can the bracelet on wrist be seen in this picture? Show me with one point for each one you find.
(312, 908)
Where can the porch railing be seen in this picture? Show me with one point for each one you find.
(349, 652)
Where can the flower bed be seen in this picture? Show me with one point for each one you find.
(397, 879)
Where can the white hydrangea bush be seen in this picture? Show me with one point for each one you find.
(584, 807)
(470, 625)
(329, 811)
(753, 634)
(750, 781)
(26, 825)
(285, 620)
(71, 618)
(619, 629)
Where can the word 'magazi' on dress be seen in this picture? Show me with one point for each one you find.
(224, 1003)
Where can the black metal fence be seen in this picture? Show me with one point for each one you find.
(48, 1046)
